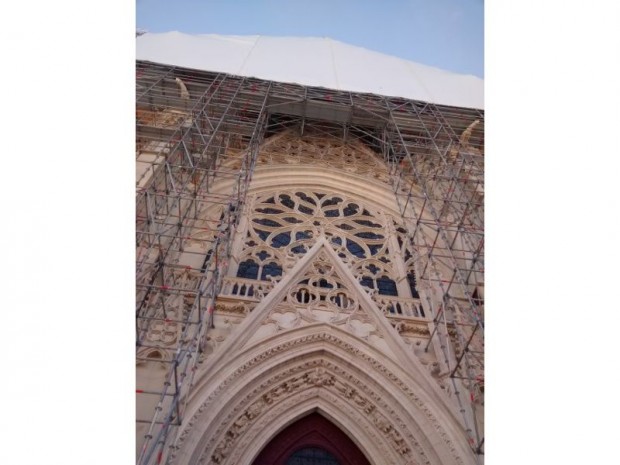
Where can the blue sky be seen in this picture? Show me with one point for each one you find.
(448, 34)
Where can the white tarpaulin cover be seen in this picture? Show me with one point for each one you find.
(312, 61)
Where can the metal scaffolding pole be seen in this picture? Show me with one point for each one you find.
(168, 215)
(437, 199)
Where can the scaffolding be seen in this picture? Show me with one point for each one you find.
(189, 122)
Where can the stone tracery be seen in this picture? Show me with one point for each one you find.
(285, 224)
(330, 152)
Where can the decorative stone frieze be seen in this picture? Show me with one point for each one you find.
(335, 378)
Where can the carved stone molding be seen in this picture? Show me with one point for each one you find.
(319, 374)
(319, 149)
(237, 309)
(283, 381)
(411, 329)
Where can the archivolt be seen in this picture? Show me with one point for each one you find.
(304, 371)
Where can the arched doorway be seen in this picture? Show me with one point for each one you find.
(312, 440)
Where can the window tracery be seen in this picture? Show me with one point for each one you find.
(323, 289)
(259, 264)
(284, 224)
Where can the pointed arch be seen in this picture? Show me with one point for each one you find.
(248, 399)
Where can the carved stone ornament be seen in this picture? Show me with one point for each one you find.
(328, 378)
(238, 309)
(317, 377)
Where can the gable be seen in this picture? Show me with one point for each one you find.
(319, 289)
(322, 290)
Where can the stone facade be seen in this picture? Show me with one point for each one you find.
(320, 311)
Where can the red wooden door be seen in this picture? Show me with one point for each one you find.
(311, 432)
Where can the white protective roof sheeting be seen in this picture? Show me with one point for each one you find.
(312, 61)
